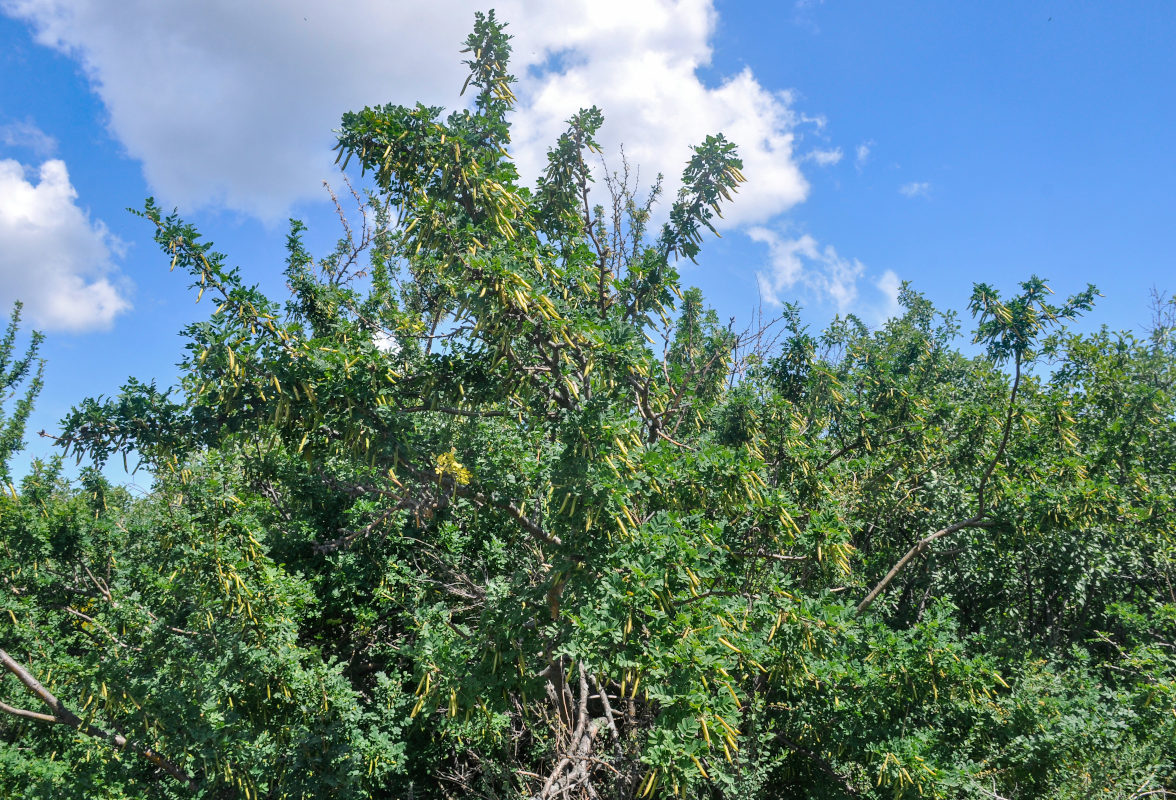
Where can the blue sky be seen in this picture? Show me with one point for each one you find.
(940, 143)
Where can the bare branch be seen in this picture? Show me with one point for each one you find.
(975, 522)
(20, 712)
(63, 716)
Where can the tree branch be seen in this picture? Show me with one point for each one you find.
(20, 712)
(821, 763)
(63, 716)
(975, 522)
(1008, 427)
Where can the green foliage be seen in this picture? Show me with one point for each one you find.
(15, 371)
(451, 521)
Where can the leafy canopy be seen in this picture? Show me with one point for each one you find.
(492, 506)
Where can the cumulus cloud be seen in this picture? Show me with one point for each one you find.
(25, 134)
(825, 158)
(802, 266)
(232, 104)
(802, 261)
(53, 257)
(638, 62)
(915, 189)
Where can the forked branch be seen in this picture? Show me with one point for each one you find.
(978, 521)
(918, 549)
(63, 716)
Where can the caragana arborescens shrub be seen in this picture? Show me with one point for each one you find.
(491, 506)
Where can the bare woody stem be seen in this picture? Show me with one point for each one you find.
(1008, 427)
(63, 716)
(978, 521)
(914, 552)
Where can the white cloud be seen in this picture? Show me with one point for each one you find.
(801, 265)
(915, 189)
(385, 342)
(26, 134)
(889, 285)
(802, 261)
(230, 103)
(52, 256)
(863, 154)
(825, 158)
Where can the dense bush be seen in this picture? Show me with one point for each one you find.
(491, 507)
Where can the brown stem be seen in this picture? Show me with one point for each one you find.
(920, 546)
(90, 620)
(20, 712)
(63, 716)
(1004, 440)
(610, 718)
(977, 521)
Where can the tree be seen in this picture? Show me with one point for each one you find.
(451, 521)
(13, 372)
